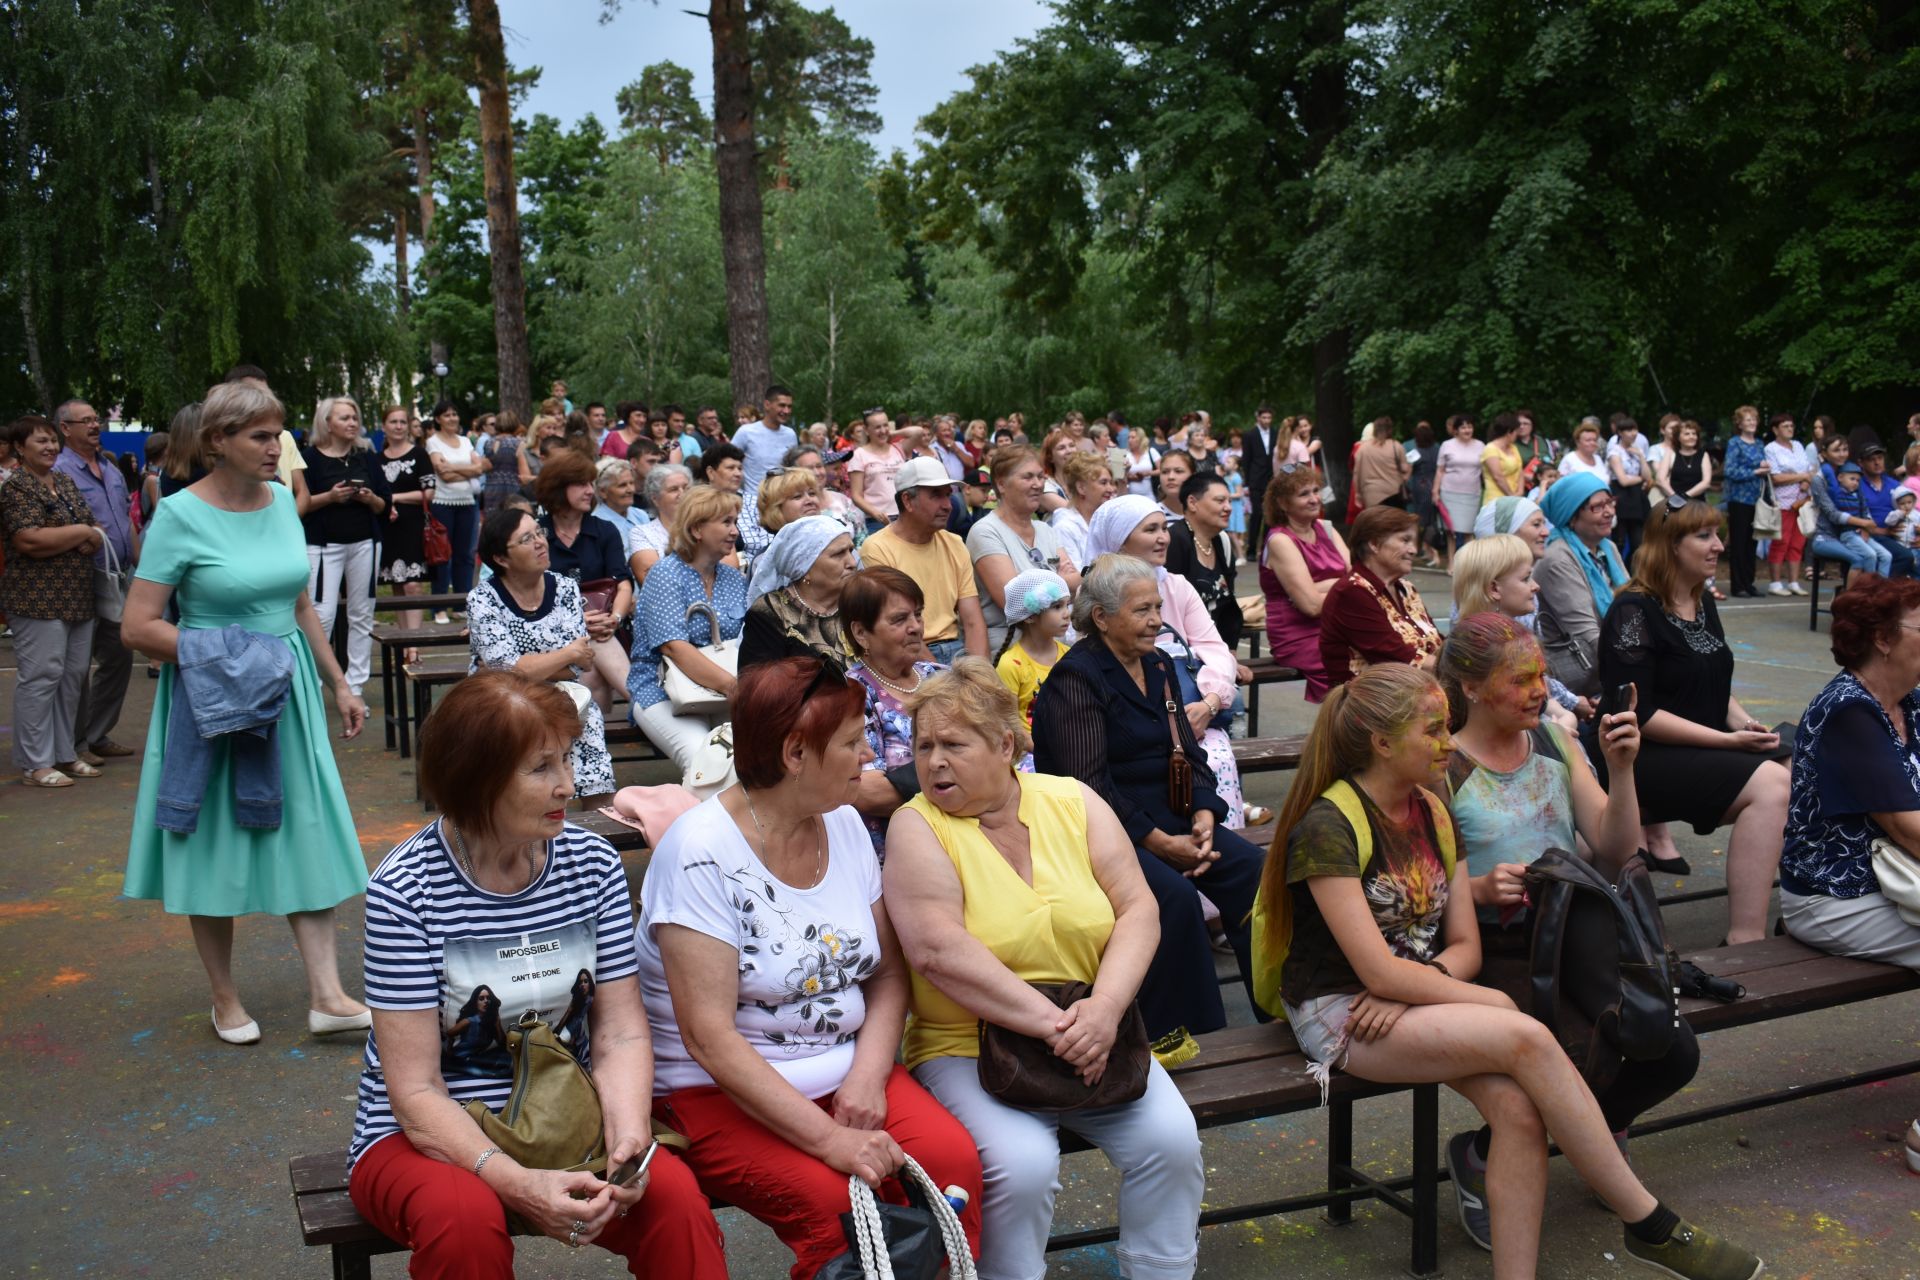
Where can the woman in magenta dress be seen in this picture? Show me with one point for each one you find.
(1303, 558)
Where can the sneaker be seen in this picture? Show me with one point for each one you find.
(88, 757)
(1913, 1147)
(1692, 1254)
(1796, 588)
(1778, 589)
(1469, 1191)
(440, 617)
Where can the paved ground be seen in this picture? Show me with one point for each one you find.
(135, 1144)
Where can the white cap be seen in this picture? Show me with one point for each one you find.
(921, 473)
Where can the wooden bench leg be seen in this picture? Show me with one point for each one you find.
(352, 1262)
(386, 691)
(1339, 1159)
(1426, 1180)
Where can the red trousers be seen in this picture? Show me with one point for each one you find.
(457, 1227)
(742, 1162)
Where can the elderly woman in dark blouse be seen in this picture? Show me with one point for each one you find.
(793, 598)
(1856, 780)
(1102, 718)
(1373, 614)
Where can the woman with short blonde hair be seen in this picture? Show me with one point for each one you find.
(686, 595)
(1491, 559)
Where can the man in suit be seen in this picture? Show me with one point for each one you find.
(1256, 464)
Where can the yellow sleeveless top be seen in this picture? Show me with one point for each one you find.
(1054, 930)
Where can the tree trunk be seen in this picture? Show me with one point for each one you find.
(400, 288)
(742, 246)
(1324, 109)
(503, 210)
(423, 182)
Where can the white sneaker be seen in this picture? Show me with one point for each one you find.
(1796, 588)
(1778, 589)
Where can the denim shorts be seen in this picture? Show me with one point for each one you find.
(1320, 1025)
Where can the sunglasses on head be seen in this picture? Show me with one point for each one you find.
(1678, 502)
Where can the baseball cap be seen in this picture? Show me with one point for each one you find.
(922, 473)
(1850, 468)
(1872, 448)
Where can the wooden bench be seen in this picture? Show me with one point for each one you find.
(431, 603)
(1251, 1073)
(1265, 671)
(393, 641)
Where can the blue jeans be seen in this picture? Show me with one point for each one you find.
(463, 531)
(1853, 547)
(1903, 559)
(946, 651)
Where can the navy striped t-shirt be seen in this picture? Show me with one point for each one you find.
(437, 941)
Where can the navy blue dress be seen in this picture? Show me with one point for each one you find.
(1091, 722)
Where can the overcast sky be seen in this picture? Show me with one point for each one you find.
(921, 51)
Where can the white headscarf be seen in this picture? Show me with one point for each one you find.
(1504, 515)
(792, 552)
(1114, 521)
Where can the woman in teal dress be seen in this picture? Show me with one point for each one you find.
(228, 549)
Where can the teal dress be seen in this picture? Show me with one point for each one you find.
(249, 568)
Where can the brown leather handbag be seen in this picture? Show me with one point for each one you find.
(1023, 1072)
(1179, 768)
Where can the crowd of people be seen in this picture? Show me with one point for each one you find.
(972, 703)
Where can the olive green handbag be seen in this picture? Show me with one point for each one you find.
(552, 1118)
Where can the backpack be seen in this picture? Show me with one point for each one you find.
(1604, 978)
(1270, 959)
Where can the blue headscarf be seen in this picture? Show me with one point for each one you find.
(1605, 573)
(792, 552)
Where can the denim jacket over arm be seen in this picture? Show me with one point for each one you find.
(229, 685)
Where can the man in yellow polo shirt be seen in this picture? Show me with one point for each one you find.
(919, 545)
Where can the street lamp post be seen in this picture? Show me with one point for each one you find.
(440, 372)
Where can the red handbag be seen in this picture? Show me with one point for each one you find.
(439, 546)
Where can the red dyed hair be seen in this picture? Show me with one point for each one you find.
(792, 697)
(478, 735)
(1869, 609)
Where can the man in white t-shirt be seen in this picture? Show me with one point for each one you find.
(766, 442)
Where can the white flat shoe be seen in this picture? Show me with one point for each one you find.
(326, 1024)
(247, 1032)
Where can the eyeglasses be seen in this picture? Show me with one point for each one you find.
(93, 421)
(533, 539)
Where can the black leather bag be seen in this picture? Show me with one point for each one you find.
(1604, 978)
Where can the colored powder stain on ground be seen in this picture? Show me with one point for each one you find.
(12, 911)
(166, 1187)
(68, 977)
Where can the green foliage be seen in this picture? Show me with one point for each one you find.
(660, 113)
(176, 199)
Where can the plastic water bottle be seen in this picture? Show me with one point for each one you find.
(957, 1197)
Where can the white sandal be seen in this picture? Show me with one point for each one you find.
(45, 778)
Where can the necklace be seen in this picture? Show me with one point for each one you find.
(875, 673)
(819, 845)
(462, 858)
(793, 589)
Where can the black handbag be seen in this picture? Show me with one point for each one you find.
(917, 1244)
(1604, 978)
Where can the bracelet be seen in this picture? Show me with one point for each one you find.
(485, 1156)
(1435, 964)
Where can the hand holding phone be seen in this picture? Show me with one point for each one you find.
(630, 1172)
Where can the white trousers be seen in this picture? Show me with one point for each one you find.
(678, 736)
(1152, 1141)
(346, 570)
(1868, 927)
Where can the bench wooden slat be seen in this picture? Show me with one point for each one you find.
(1260, 755)
(326, 1171)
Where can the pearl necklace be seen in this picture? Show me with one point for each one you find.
(917, 679)
(793, 590)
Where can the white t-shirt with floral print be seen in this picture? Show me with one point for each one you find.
(803, 953)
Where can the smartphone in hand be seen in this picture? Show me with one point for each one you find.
(629, 1173)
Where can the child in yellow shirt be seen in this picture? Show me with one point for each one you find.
(1037, 616)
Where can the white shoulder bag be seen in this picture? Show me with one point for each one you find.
(1899, 874)
(689, 697)
(110, 585)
